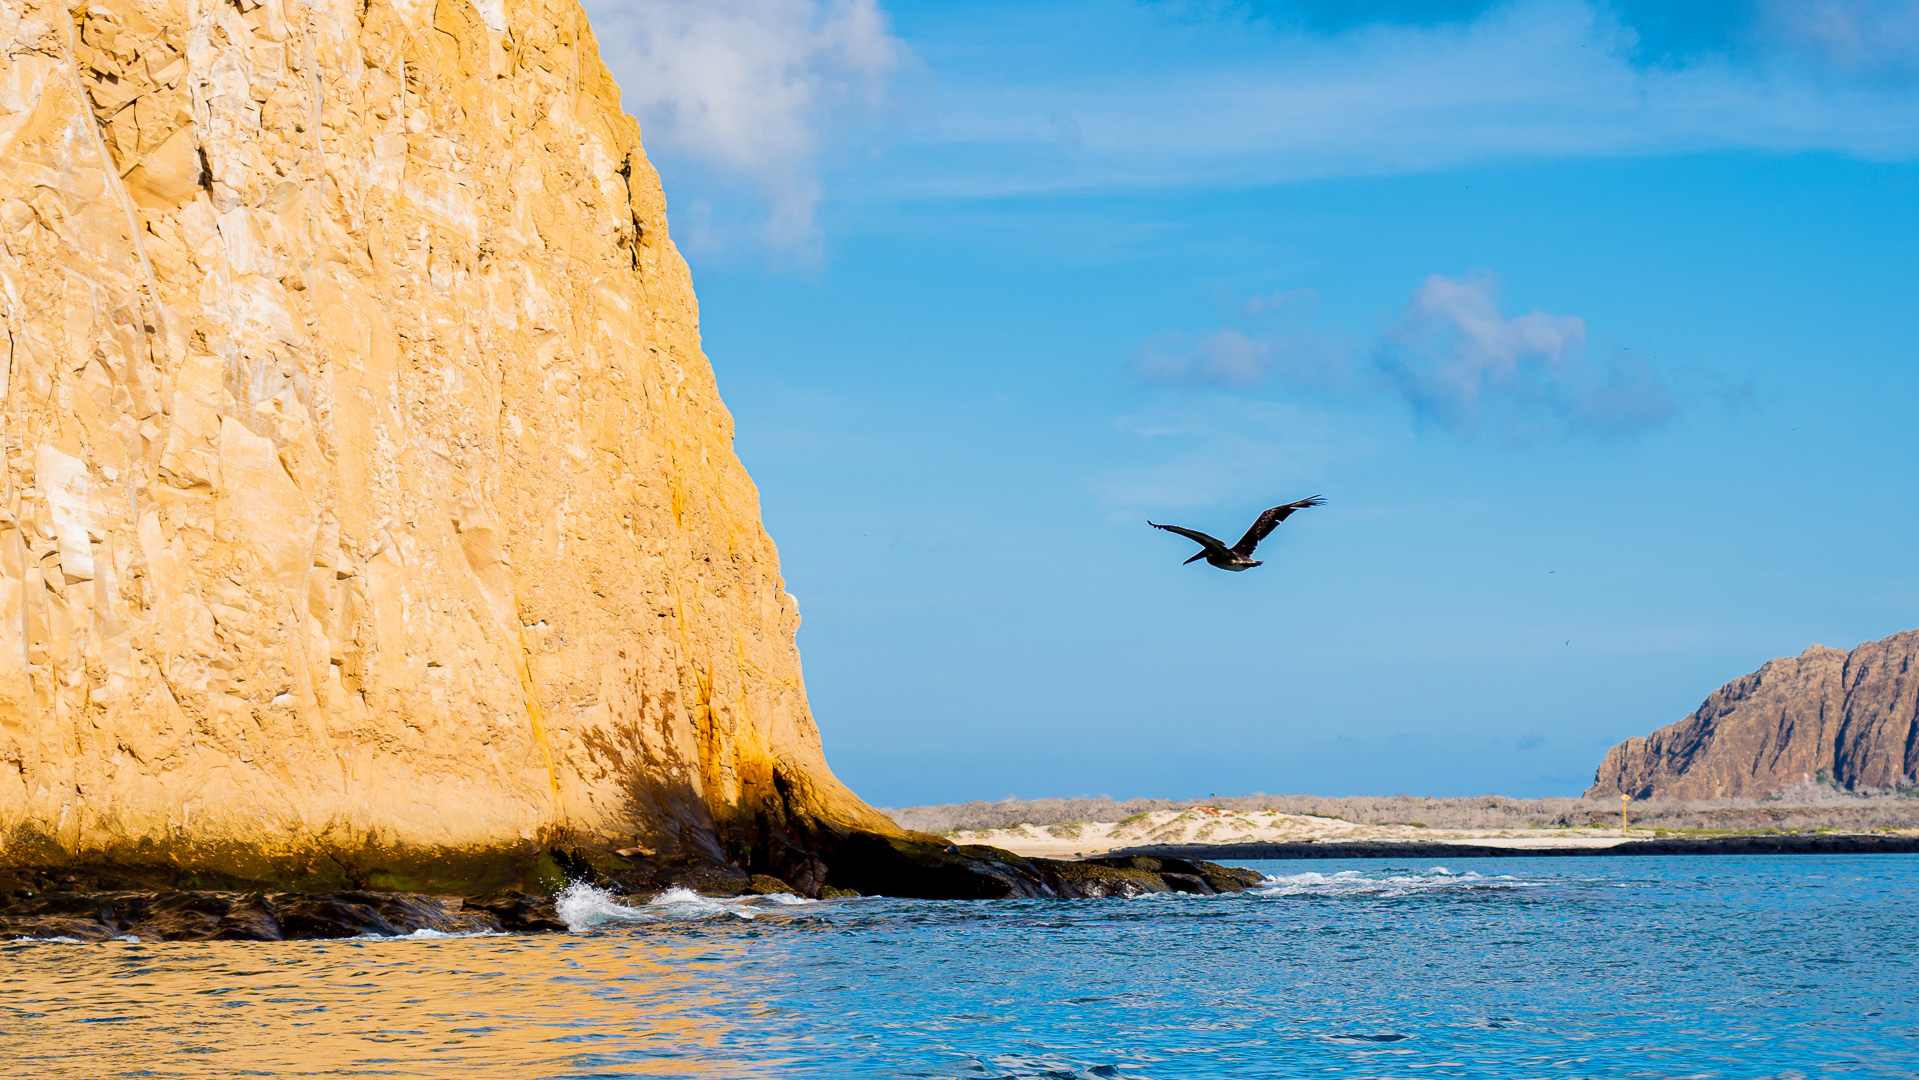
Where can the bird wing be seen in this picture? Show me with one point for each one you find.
(1267, 522)
(1212, 543)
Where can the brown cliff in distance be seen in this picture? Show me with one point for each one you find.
(368, 509)
(1851, 719)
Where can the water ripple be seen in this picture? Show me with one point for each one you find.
(1562, 968)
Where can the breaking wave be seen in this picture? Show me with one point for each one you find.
(1386, 883)
(582, 907)
(427, 933)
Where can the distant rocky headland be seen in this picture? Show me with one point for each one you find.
(1845, 719)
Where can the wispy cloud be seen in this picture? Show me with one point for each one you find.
(1276, 340)
(1224, 99)
(1460, 362)
(743, 99)
(1283, 300)
(1874, 39)
(1207, 448)
(1233, 357)
(749, 89)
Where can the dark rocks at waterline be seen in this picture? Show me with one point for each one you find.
(168, 904)
(233, 916)
(914, 865)
(158, 904)
(908, 866)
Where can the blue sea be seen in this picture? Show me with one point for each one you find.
(1509, 968)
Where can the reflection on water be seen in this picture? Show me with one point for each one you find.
(1712, 967)
(497, 1007)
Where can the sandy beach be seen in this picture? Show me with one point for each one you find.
(1217, 825)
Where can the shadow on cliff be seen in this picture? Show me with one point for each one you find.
(772, 840)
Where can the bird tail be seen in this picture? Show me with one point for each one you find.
(1195, 558)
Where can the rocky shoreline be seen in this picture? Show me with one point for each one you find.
(159, 903)
(166, 904)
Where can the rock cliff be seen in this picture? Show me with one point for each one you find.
(368, 510)
(1851, 719)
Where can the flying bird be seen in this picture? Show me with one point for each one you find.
(1240, 555)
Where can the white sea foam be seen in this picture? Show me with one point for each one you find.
(687, 904)
(427, 933)
(1384, 883)
(781, 899)
(582, 907)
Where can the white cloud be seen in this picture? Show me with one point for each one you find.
(1452, 355)
(749, 88)
(1463, 364)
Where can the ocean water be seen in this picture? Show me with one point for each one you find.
(1508, 968)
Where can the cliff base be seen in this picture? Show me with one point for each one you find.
(167, 903)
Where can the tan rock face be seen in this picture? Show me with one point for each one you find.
(1852, 718)
(365, 486)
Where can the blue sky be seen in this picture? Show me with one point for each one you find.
(1595, 324)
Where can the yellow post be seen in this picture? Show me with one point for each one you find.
(1623, 800)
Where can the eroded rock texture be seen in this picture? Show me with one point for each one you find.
(368, 502)
(1825, 715)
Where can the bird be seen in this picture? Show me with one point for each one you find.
(1239, 556)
